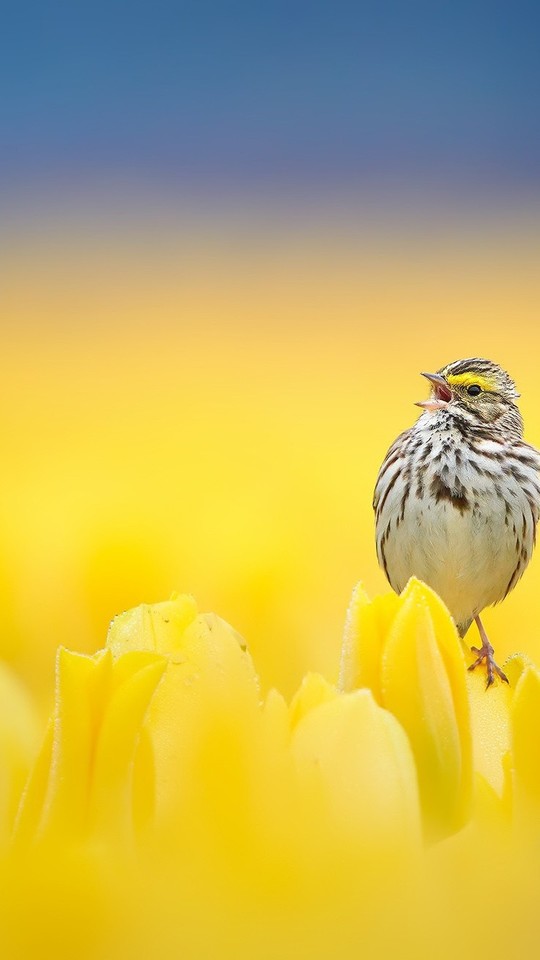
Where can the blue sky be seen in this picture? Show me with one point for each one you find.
(236, 92)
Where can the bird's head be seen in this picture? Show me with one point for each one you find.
(477, 390)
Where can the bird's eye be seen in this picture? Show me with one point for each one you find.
(474, 390)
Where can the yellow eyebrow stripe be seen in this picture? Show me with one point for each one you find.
(466, 379)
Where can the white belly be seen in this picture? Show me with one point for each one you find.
(470, 552)
(468, 558)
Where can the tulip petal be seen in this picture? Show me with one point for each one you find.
(82, 779)
(313, 691)
(81, 692)
(366, 626)
(490, 728)
(18, 742)
(210, 674)
(133, 683)
(423, 685)
(358, 754)
(157, 627)
(525, 714)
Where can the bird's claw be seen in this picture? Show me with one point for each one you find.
(485, 654)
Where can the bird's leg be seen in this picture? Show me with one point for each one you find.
(485, 653)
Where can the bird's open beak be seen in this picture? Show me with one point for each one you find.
(441, 393)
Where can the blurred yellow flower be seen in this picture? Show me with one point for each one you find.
(85, 778)
(18, 735)
(207, 818)
(525, 733)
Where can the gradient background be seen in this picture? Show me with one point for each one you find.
(232, 234)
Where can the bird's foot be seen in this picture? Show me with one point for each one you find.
(485, 655)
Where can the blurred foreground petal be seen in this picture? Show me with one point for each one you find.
(525, 728)
(18, 742)
(207, 822)
(360, 757)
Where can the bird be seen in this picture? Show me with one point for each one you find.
(457, 497)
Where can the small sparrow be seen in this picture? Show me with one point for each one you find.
(457, 497)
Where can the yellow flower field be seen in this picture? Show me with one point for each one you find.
(171, 808)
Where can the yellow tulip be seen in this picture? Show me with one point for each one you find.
(201, 815)
(408, 652)
(83, 779)
(209, 683)
(359, 757)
